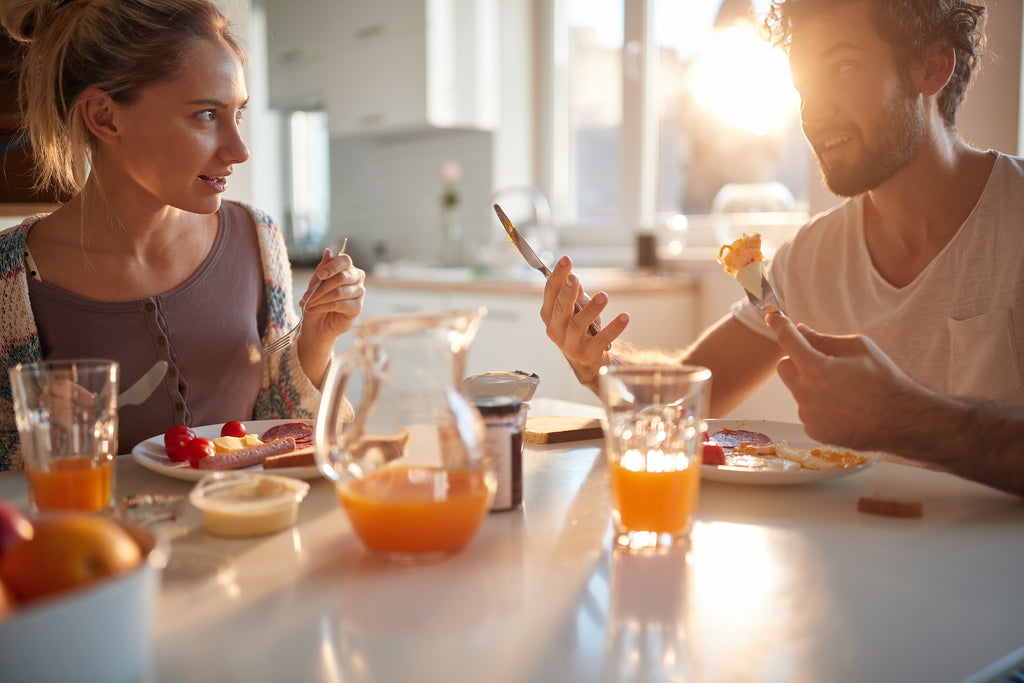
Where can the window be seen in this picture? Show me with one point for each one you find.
(667, 102)
(309, 183)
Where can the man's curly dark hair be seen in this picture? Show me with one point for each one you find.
(910, 26)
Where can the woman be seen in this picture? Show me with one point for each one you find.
(145, 261)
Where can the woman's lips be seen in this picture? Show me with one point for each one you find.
(215, 183)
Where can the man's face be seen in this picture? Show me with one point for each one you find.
(862, 118)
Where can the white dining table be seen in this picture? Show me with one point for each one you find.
(779, 583)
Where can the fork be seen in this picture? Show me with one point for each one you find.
(763, 300)
(285, 340)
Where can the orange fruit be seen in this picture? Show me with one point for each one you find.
(7, 601)
(65, 552)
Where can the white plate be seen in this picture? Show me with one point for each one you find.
(151, 454)
(795, 437)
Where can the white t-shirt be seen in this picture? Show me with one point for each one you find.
(957, 328)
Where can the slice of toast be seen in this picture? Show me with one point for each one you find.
(558, 429)
(300, 457)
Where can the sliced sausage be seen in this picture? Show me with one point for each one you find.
(731, 438)
(302, 432)
(246, 457)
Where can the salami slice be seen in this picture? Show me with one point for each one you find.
(301, 432)
(731, 438)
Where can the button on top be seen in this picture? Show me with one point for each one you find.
(150, 306)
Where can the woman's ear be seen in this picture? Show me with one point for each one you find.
(939, 62)
(98, 112)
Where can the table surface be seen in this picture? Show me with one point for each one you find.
(780, 583)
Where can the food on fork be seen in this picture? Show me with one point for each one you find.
(246, 457)
(741, 253)
(742, 259)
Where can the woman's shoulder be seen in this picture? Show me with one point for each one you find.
(12, 243)
(259, 217)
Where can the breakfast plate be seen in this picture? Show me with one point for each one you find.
(795, 437)
(151, 455)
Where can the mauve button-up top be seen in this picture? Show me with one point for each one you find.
(208, 330)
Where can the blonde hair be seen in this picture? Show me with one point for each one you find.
(117, 46)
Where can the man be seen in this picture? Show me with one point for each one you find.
(925, 259)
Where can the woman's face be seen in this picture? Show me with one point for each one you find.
(179, 142)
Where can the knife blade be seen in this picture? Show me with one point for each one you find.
(531, 256)
(144, 386)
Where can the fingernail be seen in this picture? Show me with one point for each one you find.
(571, 281)
(324, 273)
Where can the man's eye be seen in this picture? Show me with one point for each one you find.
(207, 115)
(843, 67)
(239, 115)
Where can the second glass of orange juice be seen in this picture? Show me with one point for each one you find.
(66, 412)
(655, 429)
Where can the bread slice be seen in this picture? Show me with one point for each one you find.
(300, 457)
(556, 429)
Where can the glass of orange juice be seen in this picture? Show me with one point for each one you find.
(653, 443)
(66, 412)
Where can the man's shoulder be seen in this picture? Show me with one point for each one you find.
(831, 223)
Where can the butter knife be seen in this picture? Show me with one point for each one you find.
(531, 256)
(140, 391)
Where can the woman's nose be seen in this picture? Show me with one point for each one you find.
(234, 150)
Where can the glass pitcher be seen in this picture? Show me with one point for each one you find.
(410, 470)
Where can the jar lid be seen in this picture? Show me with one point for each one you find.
(497, 405)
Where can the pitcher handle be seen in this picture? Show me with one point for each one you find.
(328, 444)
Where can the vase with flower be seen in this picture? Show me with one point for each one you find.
(452, 238)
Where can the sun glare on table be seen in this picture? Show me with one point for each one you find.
(744, 81)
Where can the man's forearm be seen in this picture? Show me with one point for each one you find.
(979, 440)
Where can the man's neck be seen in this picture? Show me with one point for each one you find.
(911, 217)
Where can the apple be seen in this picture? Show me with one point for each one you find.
(14, 526)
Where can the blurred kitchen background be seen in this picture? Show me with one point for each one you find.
(634, 135)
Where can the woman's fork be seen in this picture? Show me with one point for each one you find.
(285, 340)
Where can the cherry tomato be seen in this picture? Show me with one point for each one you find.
(713, 454)
(233, 428)
(197, 449)
(175, 440)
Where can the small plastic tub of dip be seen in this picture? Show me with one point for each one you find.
(247, 503)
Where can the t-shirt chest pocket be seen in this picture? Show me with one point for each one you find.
(982, 356)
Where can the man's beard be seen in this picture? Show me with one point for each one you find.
(890, 144)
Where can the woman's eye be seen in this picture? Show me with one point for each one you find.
(239, 115)
(207, 115)
(843, 67)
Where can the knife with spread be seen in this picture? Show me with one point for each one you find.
(531, 256)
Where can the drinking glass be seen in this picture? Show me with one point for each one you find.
(653, 443)
(66, 412)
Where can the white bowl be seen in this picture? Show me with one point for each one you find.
(99, 633)
(236, 503)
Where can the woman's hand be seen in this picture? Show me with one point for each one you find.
(586, 353)
(331, 311)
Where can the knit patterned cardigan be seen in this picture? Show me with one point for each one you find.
(285, 391)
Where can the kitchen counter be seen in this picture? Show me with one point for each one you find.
(620, 280)
(781, 583)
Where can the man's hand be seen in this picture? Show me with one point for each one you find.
(568, 329)
(849, 393)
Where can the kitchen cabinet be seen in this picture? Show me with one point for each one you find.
(386, 66)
